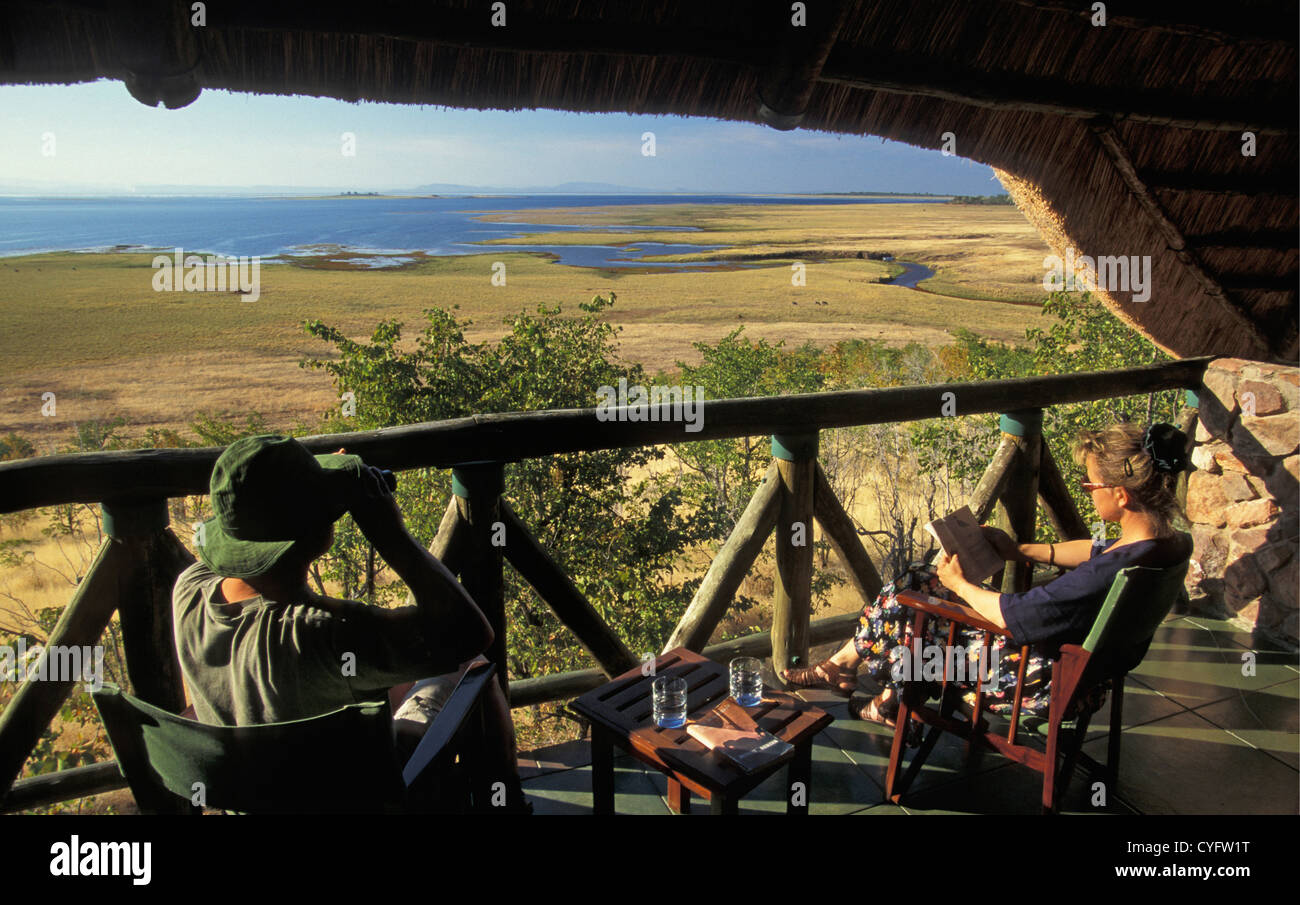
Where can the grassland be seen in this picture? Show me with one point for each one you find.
(90, 328)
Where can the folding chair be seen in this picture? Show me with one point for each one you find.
(342, 761)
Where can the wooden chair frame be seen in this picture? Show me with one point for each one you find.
(1138, 601)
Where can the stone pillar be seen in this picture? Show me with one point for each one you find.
(1243, 499)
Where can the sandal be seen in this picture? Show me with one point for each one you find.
(843, 681)
(874, 710)
(885, 713)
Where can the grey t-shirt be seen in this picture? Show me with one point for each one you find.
(261, 661)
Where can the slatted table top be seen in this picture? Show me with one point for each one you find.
(623, 708)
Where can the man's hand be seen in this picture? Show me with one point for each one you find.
(1002, 543)
(368, 491)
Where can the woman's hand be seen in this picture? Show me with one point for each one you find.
(949, 571)
(984, 601)
(1002, 543)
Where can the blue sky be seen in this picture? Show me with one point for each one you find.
(104, 140)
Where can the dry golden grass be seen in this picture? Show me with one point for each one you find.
(91, 329)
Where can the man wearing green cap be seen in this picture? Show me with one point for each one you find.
(256, 645)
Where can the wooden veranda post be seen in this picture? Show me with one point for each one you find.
(478, 486)
(1019, 510)
(144, 596)
(796, 462)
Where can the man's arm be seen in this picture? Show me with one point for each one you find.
(457, 630)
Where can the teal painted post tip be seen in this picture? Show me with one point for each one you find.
(1022, 423)
(794, 447)
(485, 477)
(132, 518)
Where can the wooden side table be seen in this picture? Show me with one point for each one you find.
(620, 714)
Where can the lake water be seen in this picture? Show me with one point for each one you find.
(270, 227)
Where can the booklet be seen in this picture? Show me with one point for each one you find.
(749, 749)
(959, 533)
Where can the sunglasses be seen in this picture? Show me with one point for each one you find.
(1090, 486)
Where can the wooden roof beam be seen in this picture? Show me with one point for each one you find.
(899, 74)
(1260, 282)
(784, 93)
(1113, 147)
(1189, 18)
(1272, 239)
(1280, 184)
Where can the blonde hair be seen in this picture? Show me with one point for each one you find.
(1123, 460)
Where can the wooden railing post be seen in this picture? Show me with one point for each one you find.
(37, 700)
(1019, 510)
(730, 566)
(478, 487)
(796, 462)
(155, 557)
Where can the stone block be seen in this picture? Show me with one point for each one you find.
(1218, 408)
(1250, 513)
(1203, 459)
(1274, 556)
(1235, 487)
(1284, 584)
(1206, 500)
(1287, 385)
(1271, 435)
(1244, 541)
(1243, 609)
(1231, 365)
(1229, 460)
(1243, 581)
(1259, 398)
(1210, 549)
(1203, 434)
(1284, 483)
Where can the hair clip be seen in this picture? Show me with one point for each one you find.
(1128, 468)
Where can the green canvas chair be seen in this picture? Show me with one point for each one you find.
(1139, 600)
(343, 761)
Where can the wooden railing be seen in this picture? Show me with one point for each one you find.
(134, 569)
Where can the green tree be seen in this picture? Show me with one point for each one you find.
(616, 530)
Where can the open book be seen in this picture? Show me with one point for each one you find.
(959, 533)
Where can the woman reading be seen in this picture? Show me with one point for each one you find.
(1130, 477)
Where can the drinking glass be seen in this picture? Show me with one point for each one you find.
(746, 681)
(668, 702)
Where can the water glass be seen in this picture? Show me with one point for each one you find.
(747, 681)
(668, 702)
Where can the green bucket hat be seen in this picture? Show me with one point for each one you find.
(268, 492)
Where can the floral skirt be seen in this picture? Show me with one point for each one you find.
(883, 641)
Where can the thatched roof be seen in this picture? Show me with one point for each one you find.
(1122, 139)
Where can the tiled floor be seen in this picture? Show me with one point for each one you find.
(1211, 726)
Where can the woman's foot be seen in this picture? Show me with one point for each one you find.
(880, 709)
(884, 710)
(826, 674)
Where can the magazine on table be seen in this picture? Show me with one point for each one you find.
(749, 748)
(960, 534)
